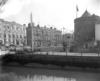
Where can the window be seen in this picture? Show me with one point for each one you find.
(17, 28)
(0, 29)
(13, 36)
(0, 35)
(0, 24)
(4, 41)
(0, 41)
(16, 36)
(9, 36)
(9, 41)
(20, 36)
(4, 35)
(8, 27)
(13, 41)
(17, 42)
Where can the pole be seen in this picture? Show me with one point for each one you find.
(32, 37)
(32, 30)
(66, 52)
(63, 38)
(77, 11)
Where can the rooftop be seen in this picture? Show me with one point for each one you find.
(86, 14)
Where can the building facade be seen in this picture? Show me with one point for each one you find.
(12, 33)
(43, 36)
(84, 33)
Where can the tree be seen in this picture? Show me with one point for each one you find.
(3, 2)
(65, 44)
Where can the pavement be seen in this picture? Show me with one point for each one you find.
(68, 54)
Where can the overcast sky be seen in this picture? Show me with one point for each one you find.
(57, 13)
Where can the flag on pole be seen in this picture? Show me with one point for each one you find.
(77, 8)
(77, 11)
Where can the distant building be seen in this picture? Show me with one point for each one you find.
(43, 36)
(85, 34)
(12, 33)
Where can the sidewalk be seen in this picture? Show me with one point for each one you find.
(69, 54)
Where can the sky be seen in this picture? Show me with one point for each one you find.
(57, 13)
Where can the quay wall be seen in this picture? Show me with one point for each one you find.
(78, 61)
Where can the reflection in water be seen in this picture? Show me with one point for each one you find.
(13, 77)
(8, 73)
(45, 78)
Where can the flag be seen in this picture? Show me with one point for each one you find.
(77, 11)
(77, 8)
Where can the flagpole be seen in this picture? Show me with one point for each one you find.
(77, 11)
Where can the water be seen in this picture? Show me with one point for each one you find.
(8, 73)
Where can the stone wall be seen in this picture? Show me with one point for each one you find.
(84, 31)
